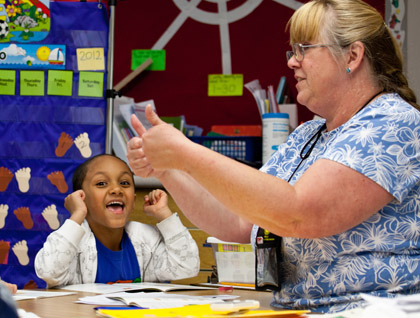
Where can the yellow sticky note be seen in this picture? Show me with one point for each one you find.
(225, 85)
(90, 59)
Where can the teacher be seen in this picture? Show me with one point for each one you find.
(339, 199)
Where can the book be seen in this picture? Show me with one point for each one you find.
(125, 131)
(158, 300)
(232, 285)
(281, 90)
(192, 130)
(161, 287)
(99, 288)
(237, 130)
(176, 121)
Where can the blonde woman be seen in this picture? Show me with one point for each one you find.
(340, 196)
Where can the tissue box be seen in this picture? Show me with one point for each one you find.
(235, 262)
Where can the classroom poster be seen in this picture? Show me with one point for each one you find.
(48, 126)
(24, 20)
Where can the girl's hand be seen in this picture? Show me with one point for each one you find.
(75, 204)
(156, 205)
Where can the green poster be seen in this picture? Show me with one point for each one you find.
(91, 84)
(32, 83)
(7, 82)
(157, 56)
(60, 83)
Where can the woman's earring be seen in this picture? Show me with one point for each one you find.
(348, 70)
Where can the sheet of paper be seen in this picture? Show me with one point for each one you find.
(100, 300)
(125, 110)
(238, 267)
(23, 294)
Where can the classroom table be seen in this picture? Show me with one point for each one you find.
(64, 306)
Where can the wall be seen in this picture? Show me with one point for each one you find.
(257, 43)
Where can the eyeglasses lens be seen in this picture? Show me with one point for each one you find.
(298, 52)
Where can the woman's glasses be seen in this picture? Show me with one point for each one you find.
(299, 50)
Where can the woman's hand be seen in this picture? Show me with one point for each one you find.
(157, 149)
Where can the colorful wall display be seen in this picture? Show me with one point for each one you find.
(52, 119)
(24, 20)
(32, 56)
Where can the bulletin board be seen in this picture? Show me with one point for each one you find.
(200, 38)
(53, 117)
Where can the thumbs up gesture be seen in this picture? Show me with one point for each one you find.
(156, 149)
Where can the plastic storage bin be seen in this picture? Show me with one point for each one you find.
(243, 148)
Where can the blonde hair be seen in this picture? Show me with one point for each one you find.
(342, 22)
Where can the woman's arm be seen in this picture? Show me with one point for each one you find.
(328, 199)
(203, 210)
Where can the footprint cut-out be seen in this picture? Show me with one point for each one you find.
(50, 215)
(83, 144)
(57, 179)
(23, 175)
(24, 215)
(4, 252)
(64, 144)
(5, 177)
(4, 208)
(21, 251)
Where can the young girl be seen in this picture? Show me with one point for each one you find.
(98, 243)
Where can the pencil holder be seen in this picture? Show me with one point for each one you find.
(274, 132)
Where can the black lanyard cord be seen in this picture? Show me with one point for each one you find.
(304, 155)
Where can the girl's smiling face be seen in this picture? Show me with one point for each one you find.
(110, 193)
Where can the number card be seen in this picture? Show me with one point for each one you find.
(90, 59)
(225, 85)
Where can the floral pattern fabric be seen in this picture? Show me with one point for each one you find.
(381, 255)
